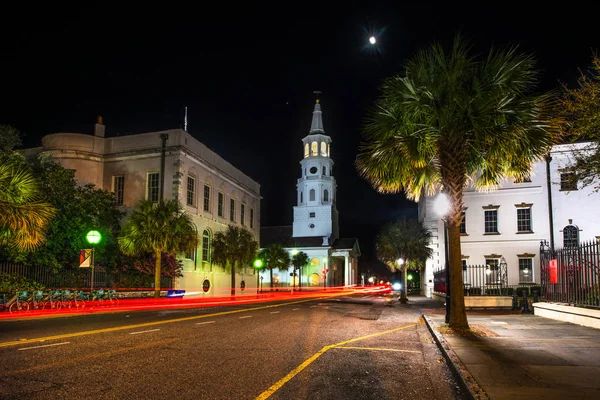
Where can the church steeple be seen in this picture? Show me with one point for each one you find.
(317, 120)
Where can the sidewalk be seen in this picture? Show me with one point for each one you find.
(520, 356)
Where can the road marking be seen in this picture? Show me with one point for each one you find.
(246, 316)
(47, 345)
(207, 322)
(295, 309)
(376, 349)
(275, 312)
(147, 324)
(498, 322)
(277, 385)
(137, 333)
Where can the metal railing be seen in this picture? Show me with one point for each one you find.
(572, 274)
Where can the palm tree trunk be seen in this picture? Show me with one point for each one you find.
(233, 280)
(271, 276)
(458, 315)
(157, 266)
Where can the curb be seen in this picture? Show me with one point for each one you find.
(460, 372)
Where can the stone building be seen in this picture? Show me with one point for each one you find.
(135, 167)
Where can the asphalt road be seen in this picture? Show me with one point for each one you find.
(350, 347)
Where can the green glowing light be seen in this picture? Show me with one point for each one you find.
(409, 277)
(93, 237)
(258, 263)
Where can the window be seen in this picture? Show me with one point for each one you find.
(568, 181)
(314, 151)
(191, 255)
(232, 210)
(152, 185)
(118, 187)
(324, 170)
(206, 244)
(525, 270)
(326, 195)
(206, 198)
(523, 219)
(191, 191)
(301, 197)
(243, 214)
(570, 236)
(220, 204)
(252, 218)
(463, 223)
(491, 271)
(311, 195)
(324, 149)
(305, 150)
(328, 150)
(311, 215)
(491, 221)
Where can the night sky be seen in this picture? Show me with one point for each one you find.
(247, 75)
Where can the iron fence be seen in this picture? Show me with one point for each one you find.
(71, 278)
(485, 280)
(574, 277)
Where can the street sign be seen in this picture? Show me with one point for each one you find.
(85, 256)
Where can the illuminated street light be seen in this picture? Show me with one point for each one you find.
(93, 238)
(258, 263)
(372, 40)
(400, 261)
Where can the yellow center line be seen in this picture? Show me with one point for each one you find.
(377, 349)
(155, 323)
(277, 385)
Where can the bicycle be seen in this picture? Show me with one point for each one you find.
(17, 303)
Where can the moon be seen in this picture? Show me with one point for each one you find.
(372, 40)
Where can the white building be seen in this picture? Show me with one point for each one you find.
(213, 192)
(510, 222)
(315, 229)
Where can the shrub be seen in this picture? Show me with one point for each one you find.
(12, 283)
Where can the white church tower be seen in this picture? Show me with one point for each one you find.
(316, 213)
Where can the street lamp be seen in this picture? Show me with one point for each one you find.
(441, 206)
(294, 252)
(93, 238)
(258, 265)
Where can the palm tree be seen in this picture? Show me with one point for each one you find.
(300, 260)
(407, 240)
(235, 247)
(156, 228)
(275, 256)
(451, 119)
(23, 217)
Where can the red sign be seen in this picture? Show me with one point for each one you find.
(553, 271)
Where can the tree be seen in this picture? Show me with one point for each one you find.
(275, 256)
(79, 209)
(157, 228)
(234, 247)
(300, 260)
(580, 109)
(452, 119)
(403, 239)
(23, 216)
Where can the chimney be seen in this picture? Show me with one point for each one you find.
(99, 127)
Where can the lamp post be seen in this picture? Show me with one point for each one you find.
(258, 265)
(441, 206)
(294, 252)
(93, 238)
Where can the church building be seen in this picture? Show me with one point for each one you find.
(333, 261)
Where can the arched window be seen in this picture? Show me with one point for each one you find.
(326, 195)
(206, 246)
(314, 151)
(570, 236)
(314, 261)
(328, 150)
(324, 170)
(324, 149)
(301, 197)
(306, 150)
(311, 196)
